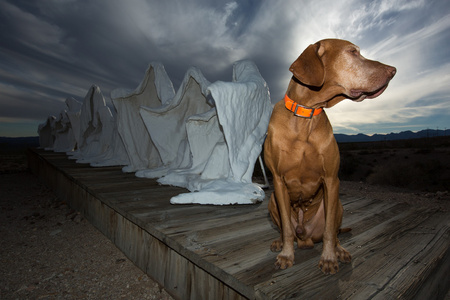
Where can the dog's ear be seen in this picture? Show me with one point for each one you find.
(308, 68)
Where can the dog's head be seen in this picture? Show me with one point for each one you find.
(336, 69)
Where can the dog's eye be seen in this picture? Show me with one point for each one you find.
(354, 52)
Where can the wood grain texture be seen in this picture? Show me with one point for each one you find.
(222, 252)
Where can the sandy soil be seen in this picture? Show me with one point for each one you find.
(49, 251)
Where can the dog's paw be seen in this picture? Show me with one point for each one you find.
(284, 262)
(276, 245)
(329, 265)
(343, 255)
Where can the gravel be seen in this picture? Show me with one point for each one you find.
(49, 251)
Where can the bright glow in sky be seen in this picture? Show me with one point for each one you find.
(53, 49)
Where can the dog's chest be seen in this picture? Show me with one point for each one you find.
(303, 189)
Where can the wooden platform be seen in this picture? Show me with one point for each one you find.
(211, 252)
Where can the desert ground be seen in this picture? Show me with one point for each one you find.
(49, 251)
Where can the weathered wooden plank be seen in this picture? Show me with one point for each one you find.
(149, 252)
(244, 230)
(200, 220)
(374, 261)
(427, 253)
(363, 220)
(210, 252)
(143, 192)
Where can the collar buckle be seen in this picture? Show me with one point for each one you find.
(301, 110)
(304, 108)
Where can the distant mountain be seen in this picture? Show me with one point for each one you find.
(404, 135)
(25, 142)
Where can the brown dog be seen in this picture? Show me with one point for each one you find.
(302, 154)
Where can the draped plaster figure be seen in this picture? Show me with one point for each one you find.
(96, 127)
(64, 137)
(46, 133)
(73, 113)
(166, 124)
(155, 90)
(223, 141)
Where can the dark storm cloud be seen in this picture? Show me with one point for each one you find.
(50, 50)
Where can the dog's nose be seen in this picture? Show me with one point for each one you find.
(391, 71)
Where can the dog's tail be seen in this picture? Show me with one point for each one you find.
(344, 230)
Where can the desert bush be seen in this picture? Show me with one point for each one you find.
(393, 175)
(365, 152)
(424, 151)
(420, 175)
(349, 164)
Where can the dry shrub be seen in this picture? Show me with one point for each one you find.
(419, 175)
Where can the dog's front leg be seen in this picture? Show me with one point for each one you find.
(329, 260)
(285, 258)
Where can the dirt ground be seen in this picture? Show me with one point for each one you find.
(49, 251)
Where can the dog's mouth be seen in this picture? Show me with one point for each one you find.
(359, 95)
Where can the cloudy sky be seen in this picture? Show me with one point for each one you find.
(53, 49)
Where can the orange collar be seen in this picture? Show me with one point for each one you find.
(300, 110)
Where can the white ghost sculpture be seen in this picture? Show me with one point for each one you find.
(224, 141)
(73, 113)
(166, 124)
(206, 137)
(47, 133)
(96, 128)
(64, 137)
(155, 90)
(115, 154)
